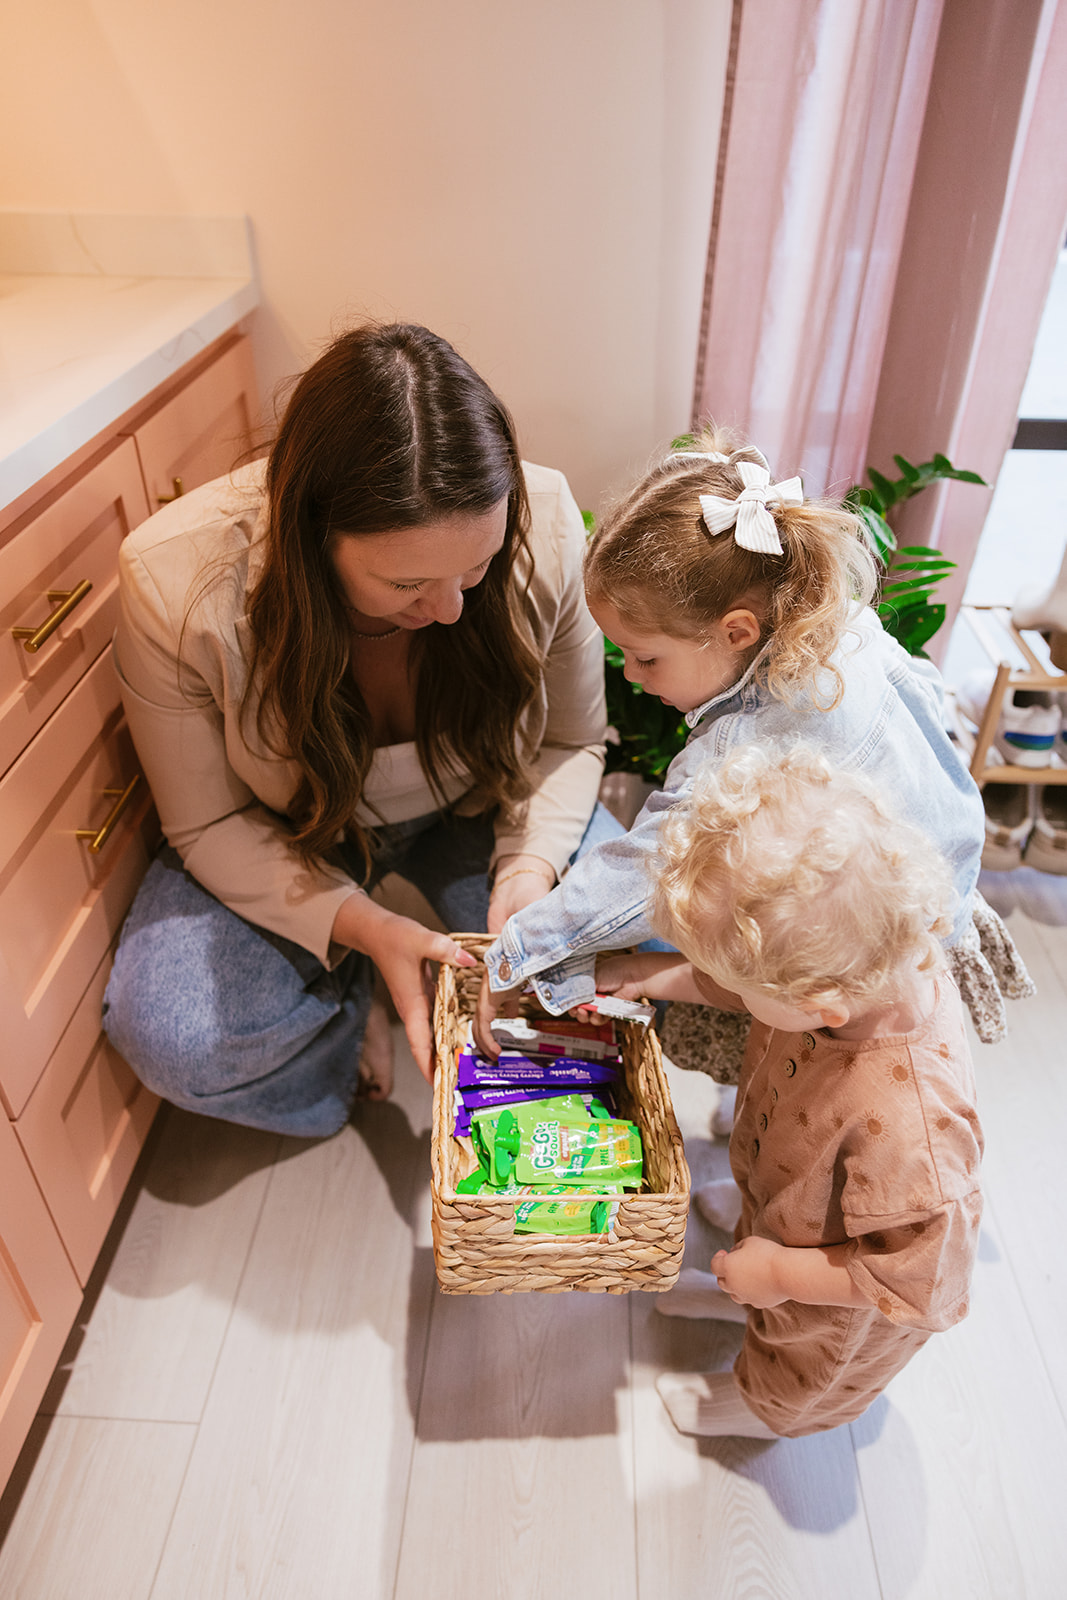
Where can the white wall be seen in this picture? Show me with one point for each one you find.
(531, 178)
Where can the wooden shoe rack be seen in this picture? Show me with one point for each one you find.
(1004, 644)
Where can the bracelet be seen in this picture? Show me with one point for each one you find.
(521, 872)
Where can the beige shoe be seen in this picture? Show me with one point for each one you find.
(1046, 848)
(1009, 821)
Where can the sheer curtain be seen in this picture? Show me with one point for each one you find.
(825, 102)
(890, 201)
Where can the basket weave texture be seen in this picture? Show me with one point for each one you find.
(476, 1249)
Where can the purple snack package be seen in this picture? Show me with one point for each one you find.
(514, 1070)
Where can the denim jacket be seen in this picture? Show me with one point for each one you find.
(887, 724)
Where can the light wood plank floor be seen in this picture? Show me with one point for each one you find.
(267, 1397)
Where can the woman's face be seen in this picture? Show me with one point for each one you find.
(417, 576)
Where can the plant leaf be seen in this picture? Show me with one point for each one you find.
(878, 533)
(910, 472)
(589, 518)
(912, 623)
(933, 569)
(885, 491)
(894, 592)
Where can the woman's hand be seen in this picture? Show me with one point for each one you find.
(404, 953)
(751, 1272)
(519, 881)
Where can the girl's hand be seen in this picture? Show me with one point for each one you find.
(628, 976)
(750, 1273)
(519, 881)
(492, 1003)
(655, 975)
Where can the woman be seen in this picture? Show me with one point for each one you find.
(370, 653)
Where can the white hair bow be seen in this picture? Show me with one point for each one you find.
(754, 527)
(716, 455)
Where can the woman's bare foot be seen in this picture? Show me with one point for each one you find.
(376, 1060)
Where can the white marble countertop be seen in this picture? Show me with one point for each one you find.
(95, 313)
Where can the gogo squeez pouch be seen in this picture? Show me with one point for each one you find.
(499, 1144)
(551, 1146)
(497, 1156)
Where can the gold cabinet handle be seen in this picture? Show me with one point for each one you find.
(179, 490)
(64, 601)
(98, 837)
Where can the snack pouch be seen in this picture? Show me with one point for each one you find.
(496, 1147)
(466, 1101)
(477, 1182)
(554, 1147)
(573, 1218)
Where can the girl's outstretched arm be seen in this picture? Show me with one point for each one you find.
(652, 975)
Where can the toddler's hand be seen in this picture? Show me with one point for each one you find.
(749, 1272)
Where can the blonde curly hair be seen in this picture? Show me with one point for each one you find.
(781, 874)
(654, 561)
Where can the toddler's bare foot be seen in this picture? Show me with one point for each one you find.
(697, 1294)
(722, 1118)
(376, 1060)
(710, 1404)
(719, 1202)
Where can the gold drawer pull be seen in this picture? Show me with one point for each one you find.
(64, 601)
(179, 490)
(98, 837)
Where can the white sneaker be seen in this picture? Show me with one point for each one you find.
(1029, 722)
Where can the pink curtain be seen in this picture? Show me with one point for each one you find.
(825, 102)
(984, 231)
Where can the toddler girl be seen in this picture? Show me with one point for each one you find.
(793, 893)
(748, 608)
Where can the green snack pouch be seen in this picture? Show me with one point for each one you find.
(494, 1133)
(562, 1148)
(565, 1217)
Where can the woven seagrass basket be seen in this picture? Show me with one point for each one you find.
(476, 1249)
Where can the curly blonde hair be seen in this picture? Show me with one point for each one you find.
(653, 559)
(783, 875)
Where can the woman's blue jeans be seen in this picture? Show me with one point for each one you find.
(222, 1017)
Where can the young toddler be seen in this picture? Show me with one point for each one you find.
(747, 607)
(791, 891)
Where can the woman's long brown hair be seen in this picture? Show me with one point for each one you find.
(390, 429)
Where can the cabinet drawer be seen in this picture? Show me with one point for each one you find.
(199, 432)
(60, 903)
(39, 1298)
(74, 540)
(83, 1127)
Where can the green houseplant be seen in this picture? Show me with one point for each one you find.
(906, 602)
(648, 734)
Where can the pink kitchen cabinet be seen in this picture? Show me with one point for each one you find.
(77, 829)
